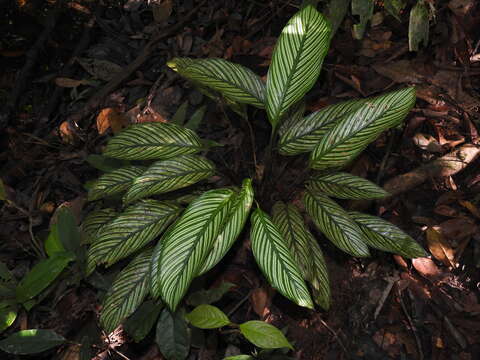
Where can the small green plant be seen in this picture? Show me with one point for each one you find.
(190, 241)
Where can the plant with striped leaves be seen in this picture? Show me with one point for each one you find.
(173, 245)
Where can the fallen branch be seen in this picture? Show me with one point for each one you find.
(96, 100)
(447, 165)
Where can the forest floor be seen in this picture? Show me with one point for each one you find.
(76, 72)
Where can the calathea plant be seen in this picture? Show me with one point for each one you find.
(173, 245)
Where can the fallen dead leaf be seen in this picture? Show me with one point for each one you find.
(70, 83)
(439, 247)
(66, 133)
(111, 118)
(470, 207)
(261, 298)
(427, 268)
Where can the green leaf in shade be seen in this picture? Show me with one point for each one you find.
(185, 246)
(52, 243)
(5, 274)
(304, 134)
(382, 235)
(94, 223)
(394, 7)
(418, 26)
(264, 335)
(239, 357)
(349, 137)
(31, 341)
(68, 231)
(42, 275)
(104, 163)
(364, 10)
(232, 227)
(337, 9)
(173, 337)
(180, 114)
(153, 141)
(130, 231)
(8, 314)
(114, 182)
(276, 261)
(333, 221)
(319, 280)
(296, 61)
(142, 321)
(209, 296)
(196, 118)
(289, 222)
(128, 291)
(207, 317)
(346, 186)
(169, 175)
(235, 82)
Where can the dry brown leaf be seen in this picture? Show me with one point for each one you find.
(439, 247)
(161, 9)
(111, 118)
(470, 207)
(66, 132)
(261, 298)
(69, 83)
(458, 229)
(446, 210)
(427, 268)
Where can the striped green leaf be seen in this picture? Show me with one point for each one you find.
(153, 141)
(130, 231)
(305, 134)
(276, 261)
(296, 61)
(128, 291)
(232, 228)
(292, 117)
(94, 223)
(334, 222)
(183, 249)
(235, 82)
(382, 235)
(289, 222)
(114, 182)
(319, 280)
(168, 175)
(349, 137)
(346, 186)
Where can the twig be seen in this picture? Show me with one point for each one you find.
(391, 281)
(447, 165)
(340, 342)
(412, 325)
(95, 101)
(240, 303)
(385, 159)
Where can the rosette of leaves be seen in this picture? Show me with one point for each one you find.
(172, 245)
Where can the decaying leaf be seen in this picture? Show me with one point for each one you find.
(439, 247)
(111, 118)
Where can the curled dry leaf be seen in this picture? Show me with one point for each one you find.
(439, 247)
(111, 118)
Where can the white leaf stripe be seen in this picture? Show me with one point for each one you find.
(319, 280)
(356, 130)
(114, 182)
(382, 235)
(234, 81)
(292, 117)
(290, 223)
(95, 221)
(335, 223)
(153, 141)
(305, 134)
(234, 225)
(296, 60)
(168, 175)
(128, 291)
(276, 261)
(130, 231)
(185, 246)
(346, 186)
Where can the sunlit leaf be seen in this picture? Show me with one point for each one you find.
(31, 341)
(346, 186)
(168, 175)
(130, 231)
(264, 335)
(382, 235)
(42, 275)
(233, 81)
(143, 319)
(8, 314)
(127, 292)
(114, 182)
(153, 141)
(349, 137)
(304, 134)
(172, 335)
(184, 248)
(94, 223)
(207, 317)
(232, 227)
(296, 61)
(276, 261)
(334, 222)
